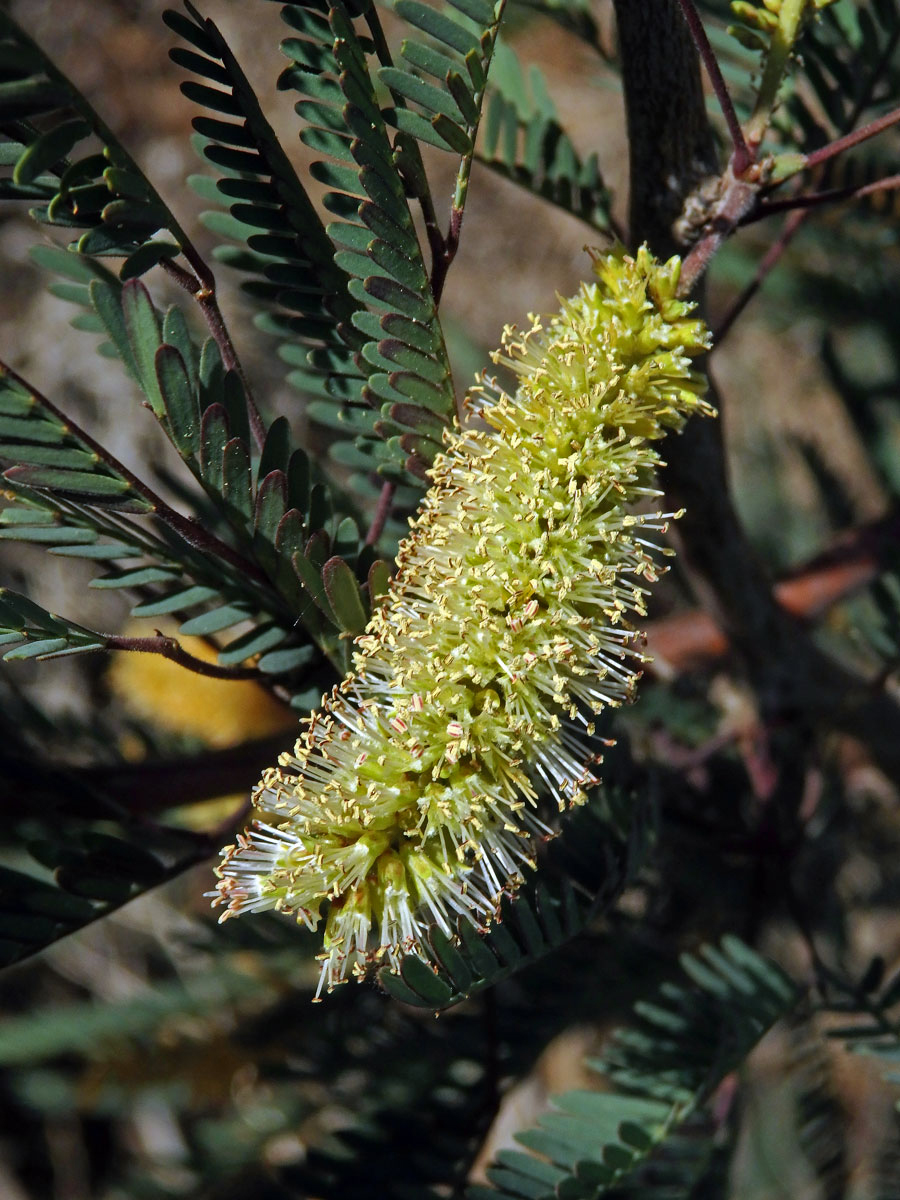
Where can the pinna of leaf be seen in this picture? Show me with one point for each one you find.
(410, 796)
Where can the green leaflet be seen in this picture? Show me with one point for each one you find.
(35, 633)
(365, 173)
(43, 452)
(524, 142)
(443, 74)
(105, 194)
(664, 1068)
(294, 263)
(278, 208)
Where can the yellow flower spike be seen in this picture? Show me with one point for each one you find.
(410, 797)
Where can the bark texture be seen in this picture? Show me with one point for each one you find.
(671, 151)
(671, 142)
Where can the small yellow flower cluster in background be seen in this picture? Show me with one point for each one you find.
(410, 797)
(218, 712)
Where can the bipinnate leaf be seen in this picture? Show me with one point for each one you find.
(100, 863)
(317, 279)
(283, 247)
(439, 86)
(524, 142)
(32, 632)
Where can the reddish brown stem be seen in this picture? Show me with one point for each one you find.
(443, 255)
(382, 512)
(852, 139)
(819, 199)
(168, 647)
(738, 198)
(800, 208)
(741, 157)
(151, 787)
(686, 641)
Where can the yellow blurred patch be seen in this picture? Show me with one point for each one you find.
(219, 712)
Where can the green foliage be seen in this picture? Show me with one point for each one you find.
(50, 457)
(46, 123)
(350, 301)
(583, 872)
(456, 54)
(525, 142)
(849, 67)
(281, 240)
(35, 633)
(78, 854)
(684, 1042)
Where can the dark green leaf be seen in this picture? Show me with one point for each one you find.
(279, 662)
(344, 596)
(179, 397)
(439, 26)
(48, 149)
(379, 582)
(96, 489)
(177, 601)
(236, 479)
(256, 641)
(310, 577)
(215, 621)
(435, 99)
(422, 979)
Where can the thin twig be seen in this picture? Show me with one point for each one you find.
(170, 648)
(809, 200)
(738, 198)
(741, 158)
(154, 785)
(382, 512)
(800, 212)
(440, 264)
(852, 139)
(464, 170)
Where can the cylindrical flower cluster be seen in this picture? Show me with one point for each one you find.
(410, 797)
